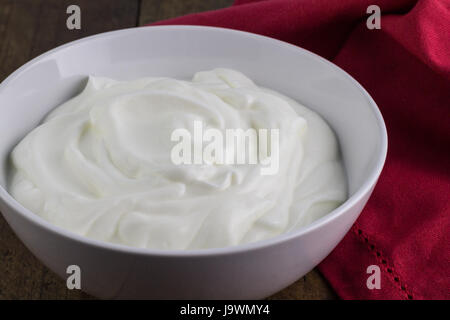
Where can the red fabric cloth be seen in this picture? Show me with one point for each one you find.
(405, 66)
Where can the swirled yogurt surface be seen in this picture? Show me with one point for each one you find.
(100, 164)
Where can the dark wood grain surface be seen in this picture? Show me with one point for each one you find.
(31, 27)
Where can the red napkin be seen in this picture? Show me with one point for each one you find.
(405, 66)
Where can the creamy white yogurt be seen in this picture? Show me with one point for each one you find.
(100, 164)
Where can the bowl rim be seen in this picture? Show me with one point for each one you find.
(365, 188)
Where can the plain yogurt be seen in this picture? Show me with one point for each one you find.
(100, 164)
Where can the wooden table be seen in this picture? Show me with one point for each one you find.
(31, 27)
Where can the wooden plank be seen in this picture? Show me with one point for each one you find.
(313, 286)
(31, 27)
(27, 29)
(155, 10)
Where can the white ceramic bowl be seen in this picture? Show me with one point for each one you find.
(249, 271)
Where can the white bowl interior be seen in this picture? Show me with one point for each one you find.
(179, 52)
